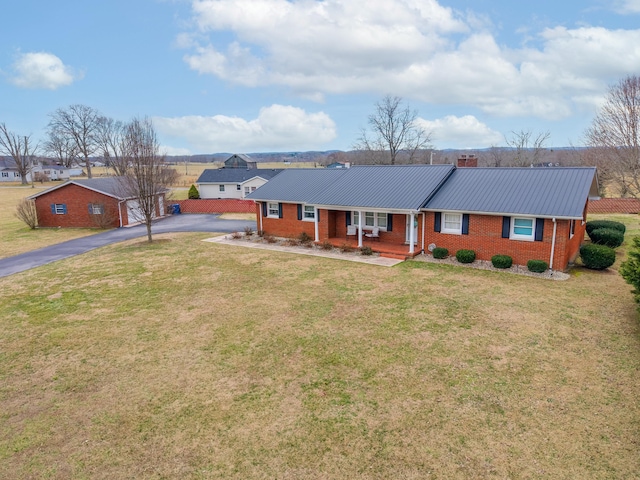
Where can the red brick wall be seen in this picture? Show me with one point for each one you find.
(77, 200)
(216, 206)
(485, 238)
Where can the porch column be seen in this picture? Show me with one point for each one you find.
(412, 232)
(359, 229)
(315, 223)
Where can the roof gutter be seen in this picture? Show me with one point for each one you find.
(506, 214)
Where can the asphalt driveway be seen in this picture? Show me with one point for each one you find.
(173, 223)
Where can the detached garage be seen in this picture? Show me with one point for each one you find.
(90, 203)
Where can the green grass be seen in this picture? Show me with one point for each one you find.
(187, 359)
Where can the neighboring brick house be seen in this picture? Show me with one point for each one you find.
(226, 182)
(96, 202)
(527, 213)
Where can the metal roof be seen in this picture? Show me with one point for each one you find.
(111, 186)
(543, 192)
(297, 185)
(235, 175)
(402, 187)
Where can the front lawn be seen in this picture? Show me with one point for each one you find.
(188, 359)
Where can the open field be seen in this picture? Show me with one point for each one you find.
(16, 237)
(187, 359)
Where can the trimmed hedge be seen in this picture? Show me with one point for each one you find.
(501, 261)
(597, 257)
(537, 266)
(607, 236)
(440, 252)
(596, 224)
(465, 256)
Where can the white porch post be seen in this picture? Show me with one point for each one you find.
(412, 232)
(359, 229)
(315, 223)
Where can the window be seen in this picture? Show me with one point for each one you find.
(309, 213)
(5, 174)
(273, 210)
(452, 223)
(96, 208)
(371, 219)
(247, 190)
(253, 189)
(522, 228)
(222, 188)
(59, 208)
(238, 187)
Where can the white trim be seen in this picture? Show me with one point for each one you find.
(519, 236)
(451, 231)
(271, 215)
(309, 219)
(505, 214)
(376, 222)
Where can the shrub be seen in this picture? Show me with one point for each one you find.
(596, 224)
(248, 231)
(270, 239)
(366, 251)
(261, 233)
(607, 236)
(292, 242)
(597, 257)
(304, 238)
(440, 252)
(346, 248)
(236, 235)
(502, 261)
(26, 211)
(193, 193)
(630, 268)
(326, 245)
(537, 266)
(465, 256)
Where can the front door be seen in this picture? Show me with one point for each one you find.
(415, 229)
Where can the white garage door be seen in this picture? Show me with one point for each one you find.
(133, 212)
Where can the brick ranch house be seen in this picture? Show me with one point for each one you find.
(90, 203)
(527, 213)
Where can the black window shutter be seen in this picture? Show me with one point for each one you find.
(347, 216)
(264, 209)
(539, 229)
(389, 222)
(90, 209)
(318, 215)
(53, 208)
(437, 220)
(64, 208)
(279, 210)
(506, 226)
(299, 211)
(465, 224)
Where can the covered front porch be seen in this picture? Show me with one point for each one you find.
(385, 249)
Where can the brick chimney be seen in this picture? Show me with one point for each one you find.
(467, 161)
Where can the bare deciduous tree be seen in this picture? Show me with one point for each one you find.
(111, 140)
(26, 212)
(79, 124)
(615, 132)
(394, 130)
(527, 150)
(148, 176)
(19, 148)
(62, 148)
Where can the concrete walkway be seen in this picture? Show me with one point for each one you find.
(173, 223)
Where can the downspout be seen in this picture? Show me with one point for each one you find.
(423, 218)
(120, 212)
(315, 224)
(260, 215)
(553, 244)
(359, 229)
(411, 232)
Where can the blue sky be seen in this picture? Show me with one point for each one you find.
(277, 75)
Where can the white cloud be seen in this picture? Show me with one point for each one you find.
(627, 6)
(417, 49)
(42, 70)
(277, 127)
(174, 151)
(460, 132)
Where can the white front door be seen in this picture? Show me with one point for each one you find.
(415, 230)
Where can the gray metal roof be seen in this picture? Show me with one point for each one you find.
(544, 192)
(298, 185)
(112, 186)
(402, 187)
(234, 175)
